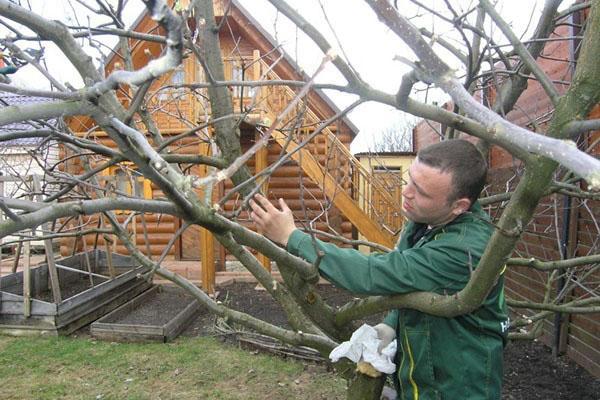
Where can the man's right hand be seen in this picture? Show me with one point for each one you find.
(275, 224)
(386, 334)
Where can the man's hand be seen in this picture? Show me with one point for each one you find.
(275, 224)
(386, 334)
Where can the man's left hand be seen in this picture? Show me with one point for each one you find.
(275, 224)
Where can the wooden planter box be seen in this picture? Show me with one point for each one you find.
(125, 324)
(81, 304)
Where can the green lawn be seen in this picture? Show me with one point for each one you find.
(189, 368)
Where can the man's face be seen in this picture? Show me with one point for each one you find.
(425, 196)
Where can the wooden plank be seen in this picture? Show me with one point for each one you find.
(78, 271)
(371, 230)
(100, 307)
(25, 331)
(13, 304)
(207, 240)
(207, 258)
(174, 327)
(27, 281)
(86, 255)
(128, 330)
(256, 65)
(261, 163)
(17, 257)
(52, 274)
(111, 268)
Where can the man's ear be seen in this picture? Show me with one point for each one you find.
(461, 206)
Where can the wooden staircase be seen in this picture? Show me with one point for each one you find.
(348, 184)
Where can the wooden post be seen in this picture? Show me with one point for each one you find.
(146, 237)
(207, 257)
(573, 232)
(207, 240)
(86, 255)
(52, 273)
(27, 281)
(109, 245)
(178, 247)
(261, 163)
(255, 65)
(17, 257)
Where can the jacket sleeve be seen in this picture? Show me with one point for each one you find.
(391, 319)
(442, 265)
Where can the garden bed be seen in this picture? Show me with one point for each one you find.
(159, 314)
(83, 300)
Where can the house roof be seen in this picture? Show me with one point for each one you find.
(291, 61)
(12, 99)
(267, 36)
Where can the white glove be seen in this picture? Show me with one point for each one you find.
(386, 334)
(365, 347)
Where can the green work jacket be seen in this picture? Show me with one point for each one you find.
(437, 358)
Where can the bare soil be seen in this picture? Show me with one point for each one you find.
(160, 308)
(71, 289)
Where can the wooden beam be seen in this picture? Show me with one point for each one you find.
(207, 240)
(78, 271)
(17, 257)
(52, 273)
(87, 257)
(27, 281)
(261, 163)
(207, 257)
(108, 242)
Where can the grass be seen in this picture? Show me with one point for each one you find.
(189, 368)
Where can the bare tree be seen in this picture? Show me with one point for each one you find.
(394, 138)
(123, 106)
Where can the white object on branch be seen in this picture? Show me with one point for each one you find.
(362, 346)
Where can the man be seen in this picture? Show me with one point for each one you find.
(442, 242)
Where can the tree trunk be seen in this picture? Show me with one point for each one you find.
(365, 387)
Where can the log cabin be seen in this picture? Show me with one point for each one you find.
(319, 181)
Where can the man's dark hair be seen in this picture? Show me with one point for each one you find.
(463, 160)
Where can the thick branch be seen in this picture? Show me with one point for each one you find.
(48, 212)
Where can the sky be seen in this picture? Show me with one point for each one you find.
(365, 43)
